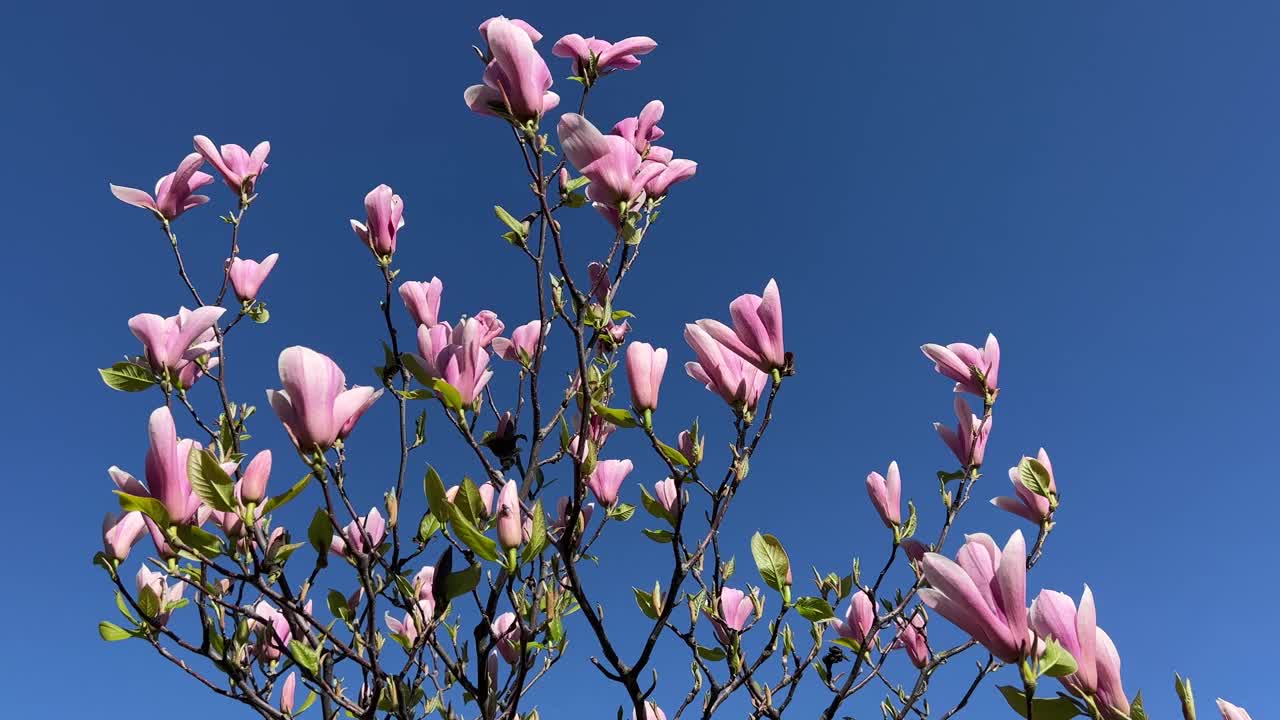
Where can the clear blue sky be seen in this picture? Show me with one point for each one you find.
(1094, 182)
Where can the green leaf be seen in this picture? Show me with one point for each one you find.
(337, 603)
(124, 608)
(127, 377)
(148, 602)
(449, 395)
(429, 526)
(258, 313)
(461, 582)
(771, 560)
(473, 538)
(507, 219)
(576, 183)
(814, 609)
(658, 536)
(672, 454)
(644, 599)
(433, 487)
(913, 520)
(1035, 476)
(206, 544)
(113, 633)
(616, 416)
(711, 654)
(538, 535)
(1058, 708)
(622, 512)
(311, 699)
(150, 507)
(469, 502)
(278, 501)
(210, 482)
(1136, 710)
(320, 532)
(305, 656)
(1056, 661)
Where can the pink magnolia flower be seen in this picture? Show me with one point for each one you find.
(562, 509)
(174, 343)
(464, 362)
(239, 169)
(858, 618)
(120, 534)
(315, 405)
(690, 447)
(422, 300)
(509, 516)
(642, 130)
(287, 691)
(490, 326)
(968, 441)
(607, 478)
(422, 583)
(384, 213)
(362, 535)
(523, 345)
(1232, 712)
(1111, 698)
(886, 495)
(723, 372)
(614, 335)
(651, 712)
(517, 82)
(272, 629)
(610, 161)
(174, 193)
(602, 56)
(667, 495)
(756, 335)
(415, 622)
(975, 371)
(1024, 503)
(486, 492)
(670, 173)
(983, 593)
(912, 638)
(506, 631)
(1054, 615)
(645, 367)
(252, 487)
(166, 468)
(915, 551)
(599, 278)
(247, 275)
(156, 585)
(735, 609)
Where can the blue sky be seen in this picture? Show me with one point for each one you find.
(1095, 183)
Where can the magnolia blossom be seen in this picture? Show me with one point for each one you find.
(506, 631)
(660, 169)
(858, 618)
(1232, 712)
(983, 593)
(509, 516)
(886, 495)
(174, 192)
(384, 213)
(177, 343)
(723, 372)
(668, 495)
(247, 275)
(975, 371)
(911, 637)
(602, 56)
(735, 609)
(272, 629)
(416, 621)
(599, 277)
(645, 367)
(120, 534)
(162, 594)
(287, 690)
(517, 82)
(455, 355)
(691, 447)
(486, 492)
(756, 335)
(968, 441)
(315, 405)
(1054, 615)
(522, 346)
(610, 161)
(252, 488)
(1025, 503)
(607, 478)
(562, 509)
(651, 712)
(239, 169)
(422, 300)
(166, 470)
(360, 536)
